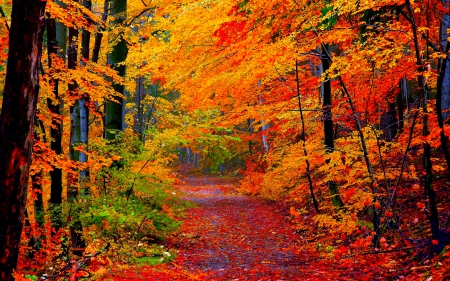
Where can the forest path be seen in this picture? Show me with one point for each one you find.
(227, 236)
(236, 237)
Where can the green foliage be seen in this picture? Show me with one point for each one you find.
(329, 17)
(134, 207)
(31, 277)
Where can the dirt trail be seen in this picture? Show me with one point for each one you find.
(235, 237)
(227, 236)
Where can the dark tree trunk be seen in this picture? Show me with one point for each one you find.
(251, 129)
(400, 107)
(55, 129)
(17, 125)
(86, 35)
(36, 180)
(139, 118)
(444, 74)
(388, 122)
(433, 214)
(443, 85)
(328, 126)
(114, 117)
(303, 138)
(99, 35)
(77, 242)
(72, 57)
(81, 105)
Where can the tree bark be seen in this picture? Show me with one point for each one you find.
(443, 85)
(400, 107)
(82, 102)
(76, 132)
(445, 82)
(36, 180)
(375, 216)
(303, 137)
(114, 117)
(139, 118)
(389, 122)
(17, 124)
(328, 125)
(99, 35)
(56, 128)
(86, 34)
(72, 58)
(433, 215)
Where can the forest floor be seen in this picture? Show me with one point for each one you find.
(227, 236)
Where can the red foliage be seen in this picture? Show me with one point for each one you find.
(230, 32)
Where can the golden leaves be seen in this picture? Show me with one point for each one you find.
(73, 14)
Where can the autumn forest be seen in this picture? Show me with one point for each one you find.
(224, 140)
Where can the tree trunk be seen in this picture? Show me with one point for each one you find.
(17, 124)
(72, 57)
(388, 122)
(433, 214)
(264, 126)
(196, 157)
(56, 38)
(99, 35)
(443, 85)
(76, 132)
(400, 107)
(86, 34)
(303, 137)
(82, 104)
(114, 117)
(251, 130)
(328, 126)
(36, 180)
(188, 155)
(139, 118)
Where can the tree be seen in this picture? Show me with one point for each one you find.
(114, 117)
(328, 123)
(17, 124)
(430, 193)
(56, 38)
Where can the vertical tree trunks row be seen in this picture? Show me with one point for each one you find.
(17, 124)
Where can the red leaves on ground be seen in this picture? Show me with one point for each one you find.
(228, 236)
